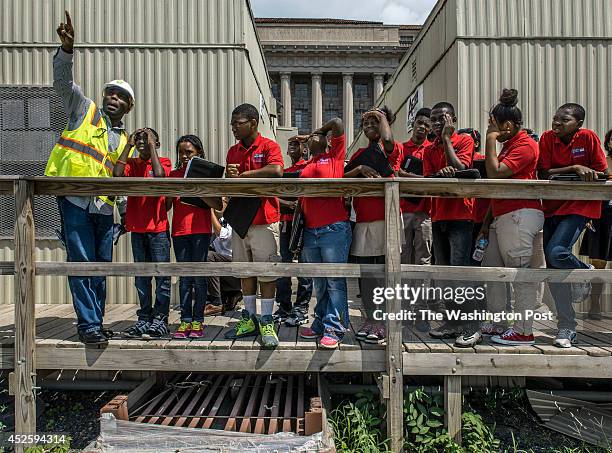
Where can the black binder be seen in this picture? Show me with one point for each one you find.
(470, 173)
(412, 164)
(201, 168)
(375, 158)
(240, 213)
(575, 177)
(481, 167)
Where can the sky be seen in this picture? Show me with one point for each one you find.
(394, 12)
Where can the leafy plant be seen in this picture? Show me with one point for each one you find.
(59, 447)
(357, 426)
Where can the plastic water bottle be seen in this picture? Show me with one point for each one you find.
(481, 245)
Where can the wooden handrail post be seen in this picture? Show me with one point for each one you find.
(452, 406)
(25, 322)
(395, 404)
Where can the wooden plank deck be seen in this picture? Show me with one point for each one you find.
(58, 348)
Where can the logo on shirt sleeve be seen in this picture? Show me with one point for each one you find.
(578, 152)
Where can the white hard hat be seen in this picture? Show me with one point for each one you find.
(122, 85)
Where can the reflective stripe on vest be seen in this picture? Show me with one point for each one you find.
(82, 148)
(96, 118)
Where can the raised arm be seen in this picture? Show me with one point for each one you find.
(74, 102)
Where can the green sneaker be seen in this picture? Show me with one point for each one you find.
(245, 327)
(268, 333)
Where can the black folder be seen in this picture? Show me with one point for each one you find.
(375, 158)
(201, 168)
(240, 213)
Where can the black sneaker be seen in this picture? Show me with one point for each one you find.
(296, 318)
(157, 329)
(93, 338)
(107, 333)
(280, 315)
(136, 330)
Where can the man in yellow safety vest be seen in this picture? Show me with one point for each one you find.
(89, 147)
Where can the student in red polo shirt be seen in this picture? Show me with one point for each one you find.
(416, 216)
(327, 235)
(368, 246)
(297, 314)
(510, 225)
(451, 217)
(147, 220)
(255, 156)
(568, 148)
(191, 231)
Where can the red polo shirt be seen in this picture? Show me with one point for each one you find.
(188, 219)
(146, 214)
(519, 154)
(434, 161)
(584, 149)
(261, 153)
(299, 165)
(372, 209)
(481, 205)
(412, 149)
(321, 211)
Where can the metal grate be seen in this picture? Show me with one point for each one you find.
(257, 404)
(31, 120)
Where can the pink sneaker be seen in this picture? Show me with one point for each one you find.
(329, 342)
(197, 330)
(308, 333)
(183, 331)
(510, 337)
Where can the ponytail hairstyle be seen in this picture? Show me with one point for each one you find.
(506, 108)
(607, 143)
(195, 141)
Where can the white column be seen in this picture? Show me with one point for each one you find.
(317, 102)
(347, 106)
(286, 98)
(379, 85)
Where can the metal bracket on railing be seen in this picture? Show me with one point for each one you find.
(384, 385)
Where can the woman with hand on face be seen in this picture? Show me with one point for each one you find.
(327, 235)
(368, 245)
(510, 225)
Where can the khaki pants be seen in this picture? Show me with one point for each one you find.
(417, 234)
(511, 244)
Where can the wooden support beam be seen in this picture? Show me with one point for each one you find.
(452, 406)
(25, 321)
(393, 277)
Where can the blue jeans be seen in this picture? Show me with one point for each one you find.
(152, 248)
(192, 247)
(452, 243)
(560, 235)
(329, 244)
(283, 284)
(88, 237)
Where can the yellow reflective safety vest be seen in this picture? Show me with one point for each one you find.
(83, 152)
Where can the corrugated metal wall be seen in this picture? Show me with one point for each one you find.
(552, 51)
(190, 63)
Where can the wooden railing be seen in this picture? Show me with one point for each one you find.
(25, 268)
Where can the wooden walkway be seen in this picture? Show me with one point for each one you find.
(57, 347)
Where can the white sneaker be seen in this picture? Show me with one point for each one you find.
(468, 339)
(565, 338)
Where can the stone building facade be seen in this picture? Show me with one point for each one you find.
(323, 68)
